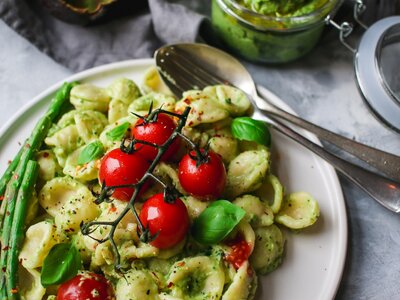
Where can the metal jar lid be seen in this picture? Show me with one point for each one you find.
(377, 68)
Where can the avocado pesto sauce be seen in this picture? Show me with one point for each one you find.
(271, 31)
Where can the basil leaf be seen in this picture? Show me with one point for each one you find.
(91, 152)
(118, 132)
(61, 264)
(216, 222)
(246, 128)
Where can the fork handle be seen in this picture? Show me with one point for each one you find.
(384, 190)
(387, 163)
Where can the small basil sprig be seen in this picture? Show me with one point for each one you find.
(216, 222)
(246, 128)
(118, 132)
(91, 152)
(61, 264)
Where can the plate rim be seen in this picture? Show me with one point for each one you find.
(333, 177)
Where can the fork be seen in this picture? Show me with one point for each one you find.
(181, 72)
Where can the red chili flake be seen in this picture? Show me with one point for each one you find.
(46, 154)
(9, 161)
(1, 198)
(27, 145)
(14, 291)
(170, 285)
(188, 100)
(181, 264)
(190, 123)
(112, 209)
(5, 248)
(7, 213)
(16, 176)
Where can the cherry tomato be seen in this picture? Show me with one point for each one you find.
(169, 220)
(120, 168)
(156, 132)
(86, 286)
(240, 252)
(207, 180)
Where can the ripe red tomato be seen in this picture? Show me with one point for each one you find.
(157, 133)
(207, 180)
(169, 220)
(240, 252)
(119, 168)
(86, 286)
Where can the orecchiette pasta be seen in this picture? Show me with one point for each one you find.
(86, 172)
(61, 191)
(156, 100)
(31, 288)
(257, 212)
(268, 249)
(231, 99)
(67, 190)
(40, 237)
(239, 288)
(89, 97)
(48, 165)
(196, 278)
(124, 90)
(137, 285)
(90, 124)
(299, 210)
(246, 172)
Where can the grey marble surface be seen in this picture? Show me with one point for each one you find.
(321, 88)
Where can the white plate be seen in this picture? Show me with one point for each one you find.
(315, 257)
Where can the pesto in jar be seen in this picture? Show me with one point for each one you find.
(272, 31)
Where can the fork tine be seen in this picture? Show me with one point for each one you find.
(175, 88)
(187, 74)
(200, 71)
(196, 75)
(180, 76)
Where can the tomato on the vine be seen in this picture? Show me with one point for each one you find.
(156, 132)
(120, 168)
(206, 179)
(170, 221)
(86, 286)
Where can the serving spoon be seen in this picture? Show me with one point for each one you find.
(187, 66)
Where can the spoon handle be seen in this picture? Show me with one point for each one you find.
(384, 162)
(384, 190)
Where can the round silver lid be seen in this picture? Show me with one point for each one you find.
(377, 68)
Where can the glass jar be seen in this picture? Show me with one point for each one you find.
(264, 38)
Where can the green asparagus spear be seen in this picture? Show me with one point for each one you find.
(13, 186)
(18, 226)
(8, 173)
(26, 153)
